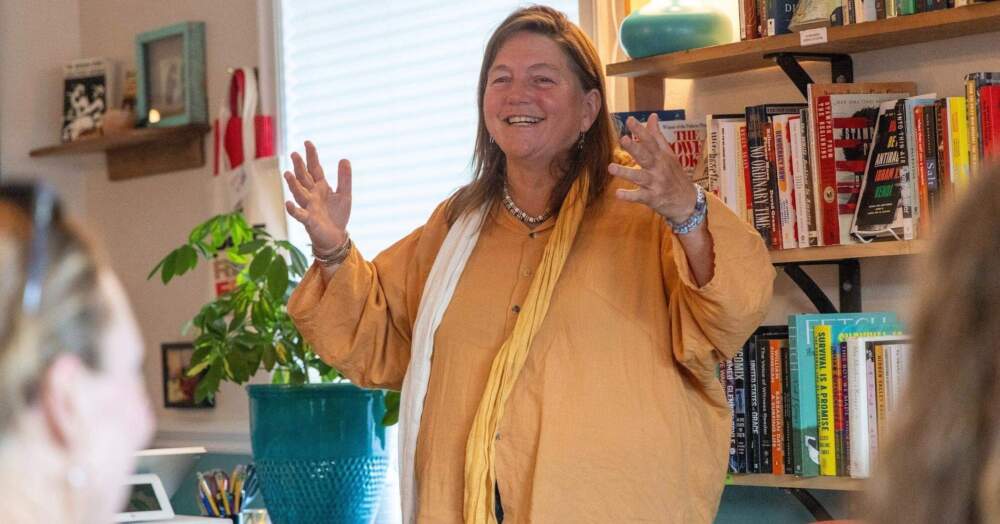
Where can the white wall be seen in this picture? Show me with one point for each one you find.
(34, 44)
(143, 218)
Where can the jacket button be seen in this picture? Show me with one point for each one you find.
(516, 309)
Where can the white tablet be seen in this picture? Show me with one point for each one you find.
(147, 500)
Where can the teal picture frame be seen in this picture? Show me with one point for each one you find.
(170, 75)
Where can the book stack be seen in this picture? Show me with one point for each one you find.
(815, 397)
(857, 163)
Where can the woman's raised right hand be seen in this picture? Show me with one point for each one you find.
(323, 211)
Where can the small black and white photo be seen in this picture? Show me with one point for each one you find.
(87, 95)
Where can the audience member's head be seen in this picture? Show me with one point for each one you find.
(73, 406)
(942, 463)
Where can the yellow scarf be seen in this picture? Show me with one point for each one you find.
(480, 474)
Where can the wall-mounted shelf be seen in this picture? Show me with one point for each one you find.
(646, 89)
(139, 152)
(835, 253)
(790, 481)
(854, 38)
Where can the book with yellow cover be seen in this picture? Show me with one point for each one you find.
(822, 335)
(958, 127)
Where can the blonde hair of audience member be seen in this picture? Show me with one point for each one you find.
(942, 463)
(73, 406)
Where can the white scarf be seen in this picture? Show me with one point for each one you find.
(438, 290)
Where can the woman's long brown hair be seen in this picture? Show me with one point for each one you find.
(942, 463)
(599, 142)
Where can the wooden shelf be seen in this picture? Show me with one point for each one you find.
(826, 253)
(855, 38)
(139, 152)
(789, 481)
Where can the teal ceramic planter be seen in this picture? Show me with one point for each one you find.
(667, 27)
(320, 451)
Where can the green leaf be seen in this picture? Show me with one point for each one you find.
(280, 376)
(233, 256)
(251, 247)
(186, 260)
(267, 356)
(277, 278)
(261, 262)
(391, 408)
(209, 384)
(198, 368)
(199, 231)
(168, 266)
(299, 262)
(157, 268)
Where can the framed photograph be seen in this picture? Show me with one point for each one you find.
(178, 388)
(89, 91)
(170, 63)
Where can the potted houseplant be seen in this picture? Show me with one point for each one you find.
(318, 442)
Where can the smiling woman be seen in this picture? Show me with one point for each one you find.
(555, 325)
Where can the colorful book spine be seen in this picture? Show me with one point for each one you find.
(972, 119)
(786, 397)
(989, 103)
(726, 378)
(881, 403)
(748, 212)
(872, 397)
(740, 405)
(777, 410)
(838, 405)
(959, 141)
(764, 383)
(760, 185)
(774, 195)
(824, 400)
(827, 172)
(920, 166)
(859, 458)
(753, 387)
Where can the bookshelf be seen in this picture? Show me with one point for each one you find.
(835, 253)
(790, 481)
(647, 92)
(140, 152)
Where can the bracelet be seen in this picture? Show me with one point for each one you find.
(337, 257)
(696, 218)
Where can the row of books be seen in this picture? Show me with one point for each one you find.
(761, 18)
(815, 397)
(856, 163)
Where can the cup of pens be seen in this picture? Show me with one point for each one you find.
(226, 496)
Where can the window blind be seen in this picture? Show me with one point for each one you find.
(392, 87)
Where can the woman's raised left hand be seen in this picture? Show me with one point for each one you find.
(663, 184)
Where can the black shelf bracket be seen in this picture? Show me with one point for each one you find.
(849, 285)
(841, 67)
(814, 507)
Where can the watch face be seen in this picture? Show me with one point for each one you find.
(142, 498)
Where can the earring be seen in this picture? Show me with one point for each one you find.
(491, 140)
(579, 143)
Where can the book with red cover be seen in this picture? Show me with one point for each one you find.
(843, 121)
(989, 114)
